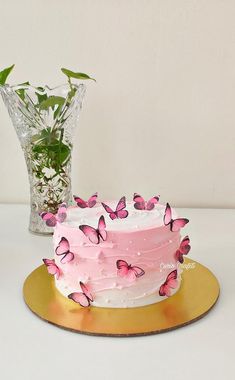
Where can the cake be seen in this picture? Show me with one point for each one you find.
(117, 254)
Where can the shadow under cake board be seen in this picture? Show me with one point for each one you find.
(198, 293)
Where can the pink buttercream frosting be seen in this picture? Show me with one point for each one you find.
(141, 240)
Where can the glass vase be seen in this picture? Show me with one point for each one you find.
(46, 134)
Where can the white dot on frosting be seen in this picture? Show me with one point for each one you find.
(144, 239)
(138, 253)
(130, 241)
(127, 249)
(170, 241)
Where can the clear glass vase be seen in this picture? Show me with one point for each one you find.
(46, 137)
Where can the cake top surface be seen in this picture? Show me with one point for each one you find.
(136, 219)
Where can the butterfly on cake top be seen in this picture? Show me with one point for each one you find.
(126, 258)
(141, 204)
(51, 219)
(84, 204)
(174, 224)
(119, 212)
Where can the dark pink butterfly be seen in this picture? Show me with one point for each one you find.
(63, 249)
(52, 267)
(141, 204)
(170, 283)
(84, 298)
(95, 234)
(175, 224)
(183, 249)
(52, 219)
(129, 271)
(83, 204)
(119, 212)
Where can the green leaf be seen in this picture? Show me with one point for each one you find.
(4, 74)
(52, 101)
(41, 98)
(58, 111)
(72, 74)
(56, 151)
(46, 136)
(63, 153)
(21, 91)
(24, 84)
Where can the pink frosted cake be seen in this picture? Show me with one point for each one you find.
(117, 254)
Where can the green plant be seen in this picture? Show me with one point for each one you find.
(48, 150)
(4, 74)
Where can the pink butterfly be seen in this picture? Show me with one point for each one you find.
(119, 212)
(141, 204)
(63, 249)
(52, 267)
(52, 219)
(170, 283)
(95, 234)
(83, 204)
(84, 298)
(175, 224)
(183, 249)
(129, 271)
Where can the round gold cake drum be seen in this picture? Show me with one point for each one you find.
(197, 295)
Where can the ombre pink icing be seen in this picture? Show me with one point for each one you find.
(141, 240)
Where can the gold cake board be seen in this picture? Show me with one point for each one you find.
(198, 293)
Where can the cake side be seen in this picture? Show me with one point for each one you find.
(142, 241)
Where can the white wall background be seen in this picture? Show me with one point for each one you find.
(161, 118)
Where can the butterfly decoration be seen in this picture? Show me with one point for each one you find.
(52, 267)
(63, 249)
(175, 224)
(84, 298)
(128, 271)
(170, 283)
(83, 204)
(95, 234)
(52, 219)
(119, 213)
(141, 204)
(183, 249)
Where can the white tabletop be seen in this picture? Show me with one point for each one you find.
(31, 349)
